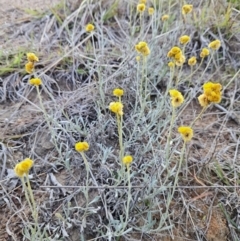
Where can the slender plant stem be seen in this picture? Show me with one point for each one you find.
(203, 73)
(87, 169)
(169, 135)
(35, 214)
(129, 195)
(26, 193)
(192, 73)
(200, 114)
(119, 123)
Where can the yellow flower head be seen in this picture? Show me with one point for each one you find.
(203, 100)
(171, 64)
(178, 56)
(127, 160)
(176, 98)
(89, 27)
(186, 132)
(116, 107)
(213, 91)
(215, 45)
(142, 47)
(170, 54)
(192, 61)
(165, 17)
(184, 39)
(35, 81)
(81, 146)
(29, 67)
(175, 50)
(187, 8)
(118, 92)
(23, 167)
(204, 53)
(31, 57)
(141, 7)
(150, 11)
(180, 59)
(143, 1)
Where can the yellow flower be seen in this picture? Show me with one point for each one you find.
(32, 57)
(184, 39)
(81, 146)
(89, 27)
(165, 17)
(170, 54)
(175, 50)
(116, 107)
(143, 1)
(203, 100)
(213, 92)
(138, 58)
(215, 45)
(178, 56)
(213, 86)
(35, 81)
(204, 53)
(141, 7)
(171, 64)
(187, 8)
(186, 132)
(150, 11)
(192, 61)
(180, 59)
(23, 167)
(29, 67)
(176, 98)
(118, 92)
(142, 48)
(127, 160)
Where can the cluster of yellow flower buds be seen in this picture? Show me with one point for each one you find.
(177, 55)
(29, 66)
(211, 94)
(142, 48)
